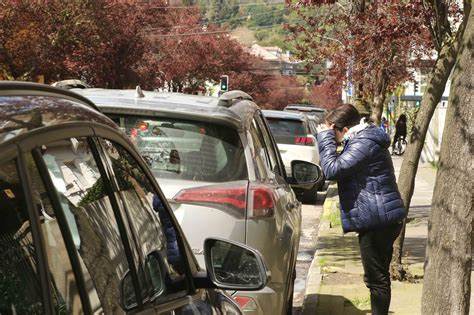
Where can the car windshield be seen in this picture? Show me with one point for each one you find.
(287, 131)
(182, 149)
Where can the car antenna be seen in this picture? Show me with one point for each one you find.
(139, 92)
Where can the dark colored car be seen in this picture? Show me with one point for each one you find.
(85, 227)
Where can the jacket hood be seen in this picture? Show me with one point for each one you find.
(375, 134)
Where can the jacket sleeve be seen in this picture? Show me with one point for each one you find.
(338, 166)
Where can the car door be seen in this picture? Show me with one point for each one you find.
(157, 240)
(279, 256)
(289, 202)
(96, 267)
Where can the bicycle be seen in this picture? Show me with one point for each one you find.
(400, 147)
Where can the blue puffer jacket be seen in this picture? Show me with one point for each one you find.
(368, 191)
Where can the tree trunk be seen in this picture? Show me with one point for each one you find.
(448, 262)
(379, 99)
(432, 96)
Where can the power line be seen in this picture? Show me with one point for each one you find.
(213, 6)
(207, 32)
(191, 34)
(218, 21)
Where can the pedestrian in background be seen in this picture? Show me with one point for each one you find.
(384, 124)
(369, 198)
(400, 130)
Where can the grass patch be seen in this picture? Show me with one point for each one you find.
(360, 302)
(322, 262)
(434, 164)
(333, 215)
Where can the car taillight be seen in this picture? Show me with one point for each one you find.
(245, 302)
(261, 202)
(235, 197)
(304, 140)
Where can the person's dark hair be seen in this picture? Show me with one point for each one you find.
(402, 118)
(344, 116)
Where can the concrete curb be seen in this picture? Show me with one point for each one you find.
(313, 281)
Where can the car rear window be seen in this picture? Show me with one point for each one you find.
(287, 131)
(183, 149)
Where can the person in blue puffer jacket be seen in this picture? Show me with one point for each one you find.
(369, 198)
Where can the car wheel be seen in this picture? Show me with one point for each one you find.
(289, 309)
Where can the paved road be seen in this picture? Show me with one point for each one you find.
(311, 215)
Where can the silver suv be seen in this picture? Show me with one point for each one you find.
(221, 171)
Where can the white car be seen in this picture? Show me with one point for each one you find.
(220, 170)
(295, 142)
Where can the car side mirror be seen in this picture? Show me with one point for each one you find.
(305, 173)
(234, 266)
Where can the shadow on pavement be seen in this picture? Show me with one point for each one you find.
(334, 305)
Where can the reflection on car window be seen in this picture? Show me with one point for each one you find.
(268, 144)
(234, 266)
(152, 225)
(64, 289)
(259, 156)
(20, 290)
(91, 220)
(189, 150)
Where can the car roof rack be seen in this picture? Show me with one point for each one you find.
(71, 84)
(227, 99)
(19, 88)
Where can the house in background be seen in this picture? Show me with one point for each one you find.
(275, 60)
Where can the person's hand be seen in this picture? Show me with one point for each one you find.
(324, 127)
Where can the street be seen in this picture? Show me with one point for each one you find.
(310, 224)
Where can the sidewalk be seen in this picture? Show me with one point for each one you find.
(335, 280)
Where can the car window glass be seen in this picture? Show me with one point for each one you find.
(286, 131)
(91, 219)
(20, 290)
(268, 145)
(258, 154)
(189, 150)
(63, 282)
(151, 222)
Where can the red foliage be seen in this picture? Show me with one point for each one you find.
(100, 41)
(279, 91)
(326, 95)
(384, 39)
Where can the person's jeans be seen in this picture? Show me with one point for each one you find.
(376, 248)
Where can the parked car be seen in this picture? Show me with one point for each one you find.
(317, 113)
(71, 84)
(220, 169)
(295, 142)
(85, 228)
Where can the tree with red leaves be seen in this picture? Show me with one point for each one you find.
(371, 44)
(188, 54)
(102, 42)
(326, 95)
(281, 91)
